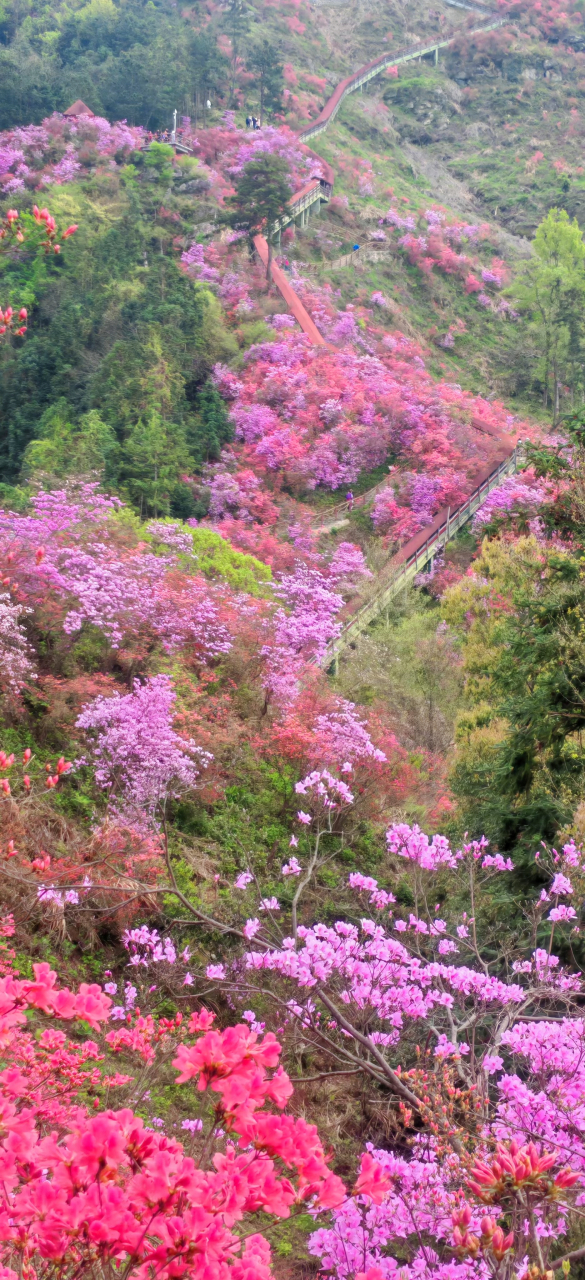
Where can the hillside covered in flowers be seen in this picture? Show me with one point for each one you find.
(292, 606)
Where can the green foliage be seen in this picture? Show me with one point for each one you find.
(155, 452)
(262, 193)
(209, 68)
(129, 60)
(262, 198)
(236, 24)
(160, 156)
(65, 448)
(216, 558)
(410, 662)
(520, 766)
(269, 78)
(213, 427)
(13, 497)
(547, 462)
(112, 374)
(552, 290)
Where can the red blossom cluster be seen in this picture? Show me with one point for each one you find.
(514, 1167)
(48, 223)
(492, 1237)
(8, 319)
(23, 784)
(84, 1190)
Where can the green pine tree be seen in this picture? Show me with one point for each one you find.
(209, 68)
(236, 24)
(261, 199)
(214, 427)
(154, 455)
(269, 77)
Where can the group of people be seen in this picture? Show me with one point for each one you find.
(252, 122)
(160, 135)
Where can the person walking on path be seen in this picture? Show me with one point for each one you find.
(349, 499)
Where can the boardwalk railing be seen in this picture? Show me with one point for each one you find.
(309, 195)
(373, 69)
(404, 567)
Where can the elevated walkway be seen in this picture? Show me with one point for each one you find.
(302, 202)
(375, 68)
(419, 552)
(291, 298)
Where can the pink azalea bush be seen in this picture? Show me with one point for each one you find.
(86, 1187)
(318, 418)
(139, 759)
(516, 496)
(27, 153)
(439, 245)
(16, 662)
(71, 552)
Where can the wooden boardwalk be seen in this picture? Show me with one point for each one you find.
(416, 554)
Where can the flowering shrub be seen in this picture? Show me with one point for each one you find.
(35, 156)
(422, 495)
(491, 1107)
(302, 629)
(224, 152)
(16, 664)
(9, 785)
(240, 494)
(301, 634)
(85, 1187)
(139, 758)
(515, 496)
(315, 417)
(438, 245)
(69, 552)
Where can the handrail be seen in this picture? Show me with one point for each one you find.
(372, 69)
(307, 195)
(411, 559)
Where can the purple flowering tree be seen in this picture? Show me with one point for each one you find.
(139, 759)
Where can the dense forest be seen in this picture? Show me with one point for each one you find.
(292, 640)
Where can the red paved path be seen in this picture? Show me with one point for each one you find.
(291, 298)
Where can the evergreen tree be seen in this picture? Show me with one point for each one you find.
(236, 24)
(261, 199)
(65, 448)
(552, 291)
(154, 455)
(208, 68)
(520, 764)
(214, 427)
(268, 69)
